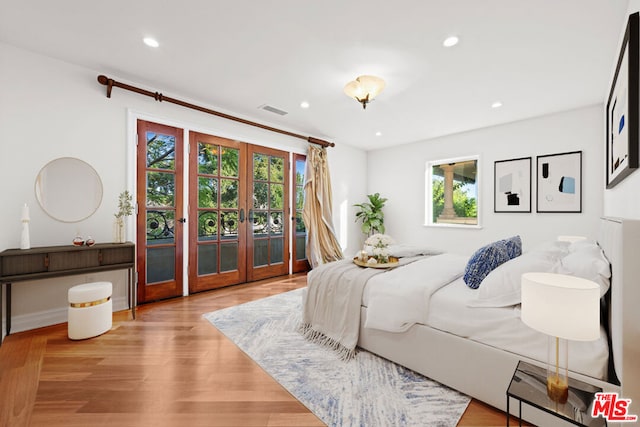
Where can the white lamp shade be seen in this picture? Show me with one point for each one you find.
(363, 85)
(561, 306)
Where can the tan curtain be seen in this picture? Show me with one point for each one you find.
(322, 244)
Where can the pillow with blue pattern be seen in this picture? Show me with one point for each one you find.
(488, 257)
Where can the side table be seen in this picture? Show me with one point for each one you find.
(529, 385)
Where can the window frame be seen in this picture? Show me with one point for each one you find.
(428, 221)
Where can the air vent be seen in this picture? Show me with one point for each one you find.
(273, 109)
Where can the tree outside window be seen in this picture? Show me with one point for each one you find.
(452, 198)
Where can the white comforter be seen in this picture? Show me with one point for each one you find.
(400, 298)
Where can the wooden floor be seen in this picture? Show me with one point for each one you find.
(169, 367)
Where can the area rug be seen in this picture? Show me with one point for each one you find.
(366, 391)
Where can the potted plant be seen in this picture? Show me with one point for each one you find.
(371, 214)
(125, 208)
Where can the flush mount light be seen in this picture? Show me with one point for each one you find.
(304, 104)
(378, 133)
(450, 41)
(496, 104)
(151, 42)
(364, 88)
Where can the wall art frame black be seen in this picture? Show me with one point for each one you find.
(559, 182)
(512, 185)
(622, 112)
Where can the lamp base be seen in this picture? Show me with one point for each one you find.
(557, 371)
(557, 389)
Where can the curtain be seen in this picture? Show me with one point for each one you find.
(322, 244)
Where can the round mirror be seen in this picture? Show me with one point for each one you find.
(68, 189)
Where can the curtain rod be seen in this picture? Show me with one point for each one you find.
(110, 83)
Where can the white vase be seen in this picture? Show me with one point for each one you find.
(118, 231)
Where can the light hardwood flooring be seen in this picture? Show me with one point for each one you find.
(169, 367)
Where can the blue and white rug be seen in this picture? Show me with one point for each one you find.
(366, 391)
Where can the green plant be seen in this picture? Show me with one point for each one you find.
(371, 214)
(125, 208)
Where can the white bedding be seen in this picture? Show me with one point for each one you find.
(502, 328)
(400, 298)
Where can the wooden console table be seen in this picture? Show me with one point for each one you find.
(18, 265)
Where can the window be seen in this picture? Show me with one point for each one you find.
(452, 198)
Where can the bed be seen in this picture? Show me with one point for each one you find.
(475, 349)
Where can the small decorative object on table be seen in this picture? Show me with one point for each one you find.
(376, 253)
(78, 240)
(25, 240)
(90, 241)
(125, 208)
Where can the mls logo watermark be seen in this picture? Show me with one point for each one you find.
(612, 408)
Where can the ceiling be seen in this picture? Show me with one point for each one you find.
(536, 57)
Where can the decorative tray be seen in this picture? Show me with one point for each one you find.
(393, 262)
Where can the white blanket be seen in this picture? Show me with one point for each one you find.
(400, 298)
(331, 311)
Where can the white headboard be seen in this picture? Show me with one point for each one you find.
(620, 240)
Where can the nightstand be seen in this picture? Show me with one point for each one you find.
(529, 385)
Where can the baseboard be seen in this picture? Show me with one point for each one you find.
(40, 319)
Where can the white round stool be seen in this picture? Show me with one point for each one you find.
(90, 312)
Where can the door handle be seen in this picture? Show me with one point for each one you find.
(241, 215)
(251, 215)
(182, 220)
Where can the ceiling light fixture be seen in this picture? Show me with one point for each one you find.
(450, 41)
(378, 133)
(364, 88)
(304, 104)
(151, 42)
(496, 104)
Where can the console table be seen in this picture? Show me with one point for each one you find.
(17, 265)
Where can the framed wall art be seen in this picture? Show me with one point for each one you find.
(622, 109)
(453, 192)
(512, 185)
(559, 182)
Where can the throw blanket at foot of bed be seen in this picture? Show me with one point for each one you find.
(331, 311)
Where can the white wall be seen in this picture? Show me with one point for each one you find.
(399, 174)
(51, 109)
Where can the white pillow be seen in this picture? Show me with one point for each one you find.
(586, 260)
(501, 287)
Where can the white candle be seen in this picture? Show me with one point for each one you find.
(25, 213)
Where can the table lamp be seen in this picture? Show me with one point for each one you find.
(565, 308)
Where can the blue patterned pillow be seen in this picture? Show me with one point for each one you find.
(488, 257)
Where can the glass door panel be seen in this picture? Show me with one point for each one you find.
(216, 200)
(300, 262)
(159, 197)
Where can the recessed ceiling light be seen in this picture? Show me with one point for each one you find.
(151, 42)
(304, 104)
(378, 133)
(496, 104)
(450, 41)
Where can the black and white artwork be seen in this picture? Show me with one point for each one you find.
(559, 182)
(512, 185)
(622, 109)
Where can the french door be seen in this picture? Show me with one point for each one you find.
(238, 205)
(217, 209)
(268, 203)
(299, 250)
(159, 215)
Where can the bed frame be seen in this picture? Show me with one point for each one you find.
(484, 372)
